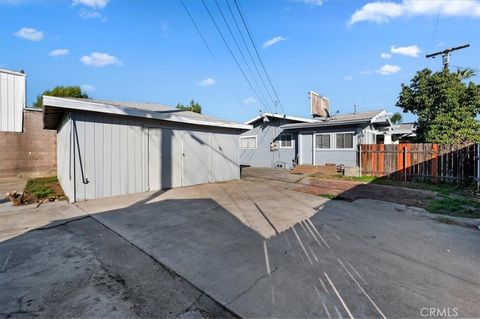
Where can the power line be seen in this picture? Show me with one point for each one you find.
(256, 51)
(211, 54)
(233, 55)
(248, 50)
(241, 54)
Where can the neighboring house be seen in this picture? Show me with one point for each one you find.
(27, 150)
(265, 145)
(400, 133)
(12, 100)
(108, 148)
(335, 140)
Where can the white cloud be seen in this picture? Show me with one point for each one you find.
(59, 52)
(87, 87)
(411, 50)
(249, 100)
(348, 77)
(29, 34)
(384, 11)
(366, 72)
(86, 14)
(95, 4)
(388, 69)
(206, 82)
(99, 59)
(384, 55)
(313, 2)
(273, 41)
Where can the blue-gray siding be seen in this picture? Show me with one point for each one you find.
(348, 157)
(262, 156)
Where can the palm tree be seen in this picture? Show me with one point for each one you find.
(466, 73)
(396, 118)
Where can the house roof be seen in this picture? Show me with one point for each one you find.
(402, 129)
(279, 116)
(54, 109)
(374, 116)
(12, 72)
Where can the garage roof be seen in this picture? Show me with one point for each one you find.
(54, 108)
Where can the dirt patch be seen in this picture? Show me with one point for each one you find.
(43, 189)
(351, 190)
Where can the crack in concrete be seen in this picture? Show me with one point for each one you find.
(74, 219)
(251, 286)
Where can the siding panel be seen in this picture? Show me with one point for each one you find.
(12, 101)
(268, 132)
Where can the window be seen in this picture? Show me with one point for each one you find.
(344, 140)
(247, 142)
(286, 141)
(322, 141)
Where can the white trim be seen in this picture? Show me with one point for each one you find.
(314, 151)
(300, 157)
(84, 105)
(279, 116)
(247, 148)
(280, 140)
(345, 148)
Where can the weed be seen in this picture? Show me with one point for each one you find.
(332, 196)
(44, 187)
(455, 206)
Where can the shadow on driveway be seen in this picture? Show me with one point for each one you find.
(262, 250)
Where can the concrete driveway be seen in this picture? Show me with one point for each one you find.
(262, 250)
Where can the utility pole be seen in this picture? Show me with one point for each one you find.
(446, 55)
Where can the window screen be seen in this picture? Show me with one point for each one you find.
(248, 142)
(344, 140)
(322, 141)
(286, 140)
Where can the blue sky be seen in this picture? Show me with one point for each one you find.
(353, 52)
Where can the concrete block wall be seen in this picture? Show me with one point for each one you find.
(31, 153)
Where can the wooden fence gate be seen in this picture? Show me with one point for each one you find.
(424, 162)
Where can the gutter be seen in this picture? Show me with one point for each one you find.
(65, 103)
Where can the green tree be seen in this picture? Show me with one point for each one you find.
(396, 118)
(192, 107)
(466, 73)
(445, 106)
(61, 91)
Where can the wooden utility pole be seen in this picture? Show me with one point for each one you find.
(446, 55)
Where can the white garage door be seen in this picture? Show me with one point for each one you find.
(164, 158)
(183, 158)
(196, 158)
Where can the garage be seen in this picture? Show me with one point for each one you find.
(107, 148)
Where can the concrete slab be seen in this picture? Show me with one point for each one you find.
(81, 269)
(265, 251)
(17, 220)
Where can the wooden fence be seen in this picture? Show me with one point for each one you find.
(424, 162)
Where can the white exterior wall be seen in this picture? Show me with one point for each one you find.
(64, 155)
(114, 155)
(12, 100)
